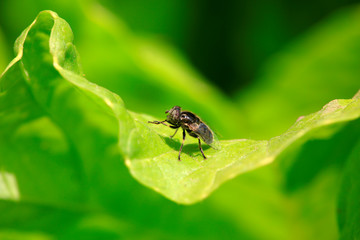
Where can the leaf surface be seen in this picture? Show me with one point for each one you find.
(348, 206)
(95, 124)
(152, 155)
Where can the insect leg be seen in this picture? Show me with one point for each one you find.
(182, 144)
(174, 132)
(159, 122)
(202, 152)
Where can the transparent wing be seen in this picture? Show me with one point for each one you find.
(216, 143)
(208, 136)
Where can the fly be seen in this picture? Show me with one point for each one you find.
(191, 124)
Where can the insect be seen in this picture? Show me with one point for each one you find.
(189, 123)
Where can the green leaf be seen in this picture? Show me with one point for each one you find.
(142, 69)
(32, 144)
(4, 57)
(151, 155)
(109, 183)
(79, 120)
(31, 217)
(97, 124)
(14, 235)
(77, 131)
(318, 155)
(349, 205)
(63, 142)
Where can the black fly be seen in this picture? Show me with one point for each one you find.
(191, 124)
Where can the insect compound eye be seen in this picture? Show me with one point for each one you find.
(174, 114)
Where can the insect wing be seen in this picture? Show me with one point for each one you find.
(208, 136)
(215, 143)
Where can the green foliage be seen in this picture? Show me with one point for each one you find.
(349, 215)
(4, 52)
(194, 178)
(319, 66)
(65, 142)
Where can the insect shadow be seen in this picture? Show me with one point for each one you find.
(191, 149)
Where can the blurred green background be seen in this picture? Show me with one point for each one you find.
(250, 68)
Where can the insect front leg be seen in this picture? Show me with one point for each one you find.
(182, 144)
(202, 152)
(159, 122)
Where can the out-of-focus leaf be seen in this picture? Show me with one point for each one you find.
(41, 176)
(317, 155)
(14, 235)
(167, 21)
(29, 218)
(4, 57)
(254, 200)
(32, 146)
(319, 66)
(41, 180)
(349, 204)
(145, 69)
(107, 227)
